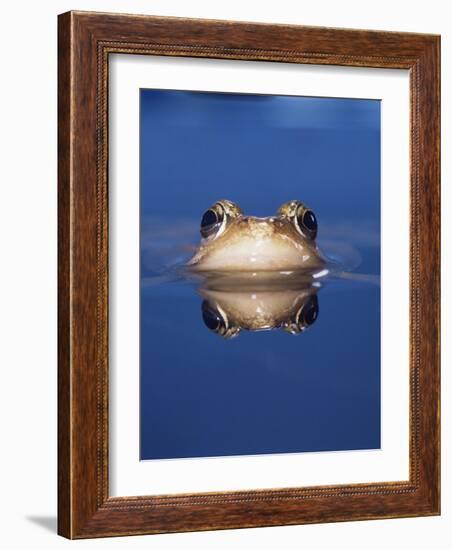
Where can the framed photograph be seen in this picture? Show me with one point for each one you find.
(248, 275)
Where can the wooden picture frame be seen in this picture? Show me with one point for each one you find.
(85, 42)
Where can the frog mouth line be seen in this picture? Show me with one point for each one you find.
(258, 280)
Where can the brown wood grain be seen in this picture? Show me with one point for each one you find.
(86, 40)
(64, 295)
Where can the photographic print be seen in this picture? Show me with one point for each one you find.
(259, 274)
(248, 293)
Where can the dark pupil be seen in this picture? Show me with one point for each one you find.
(311, 311)
(310, 222)
(211, 318)
(208, 223)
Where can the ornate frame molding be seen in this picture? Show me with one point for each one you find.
(85, 42)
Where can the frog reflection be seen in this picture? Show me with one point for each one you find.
(228, 311)
(234, 242)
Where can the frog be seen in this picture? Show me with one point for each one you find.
(234, 242)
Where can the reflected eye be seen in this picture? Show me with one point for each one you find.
(216, 321)
(212, 318)
(210, 223)
(307, 222)
(305, 316)
(308, 313)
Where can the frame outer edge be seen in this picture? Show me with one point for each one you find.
(438, 145)
(431, 265)
(64, 292)
(427, 287)
(83, 508)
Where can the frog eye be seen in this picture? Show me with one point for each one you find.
(211, 222)
(217, 217)
(216, 321)
(307, 222)
(305, 316)
(301, 216)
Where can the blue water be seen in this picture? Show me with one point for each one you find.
(270, 391)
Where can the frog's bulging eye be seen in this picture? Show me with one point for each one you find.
(211, 223)
(302, 217)
(218, 217)
(307, 222)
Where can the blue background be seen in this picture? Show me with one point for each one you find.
(264, 392)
